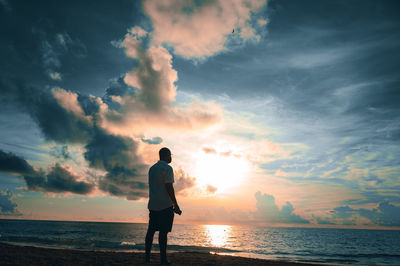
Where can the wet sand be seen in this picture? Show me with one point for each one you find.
(25, 255)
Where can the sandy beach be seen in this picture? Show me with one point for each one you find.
(25, 255)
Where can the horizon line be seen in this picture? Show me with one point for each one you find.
(363, 227)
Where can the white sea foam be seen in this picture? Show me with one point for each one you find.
(130, 243)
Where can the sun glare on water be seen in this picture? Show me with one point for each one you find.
(218, 235)
(220, 171)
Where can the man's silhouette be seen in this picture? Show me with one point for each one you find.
(162, 204)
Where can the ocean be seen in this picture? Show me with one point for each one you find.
(331, 246)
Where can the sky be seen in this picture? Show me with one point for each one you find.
(279, 113)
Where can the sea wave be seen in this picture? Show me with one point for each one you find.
(331, 246)
(92, 244)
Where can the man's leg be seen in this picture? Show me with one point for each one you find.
(162, 242)
(149, 242)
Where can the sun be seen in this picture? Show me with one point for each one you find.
(220, 170)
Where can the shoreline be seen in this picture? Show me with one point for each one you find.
(13, 254)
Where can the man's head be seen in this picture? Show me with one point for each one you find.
(165, 155)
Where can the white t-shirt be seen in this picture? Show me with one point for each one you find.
(159, 174)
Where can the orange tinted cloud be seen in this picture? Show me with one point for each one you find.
(153, 103)
(209, 150)
(154, 76)
(200, 30)
(69, 101)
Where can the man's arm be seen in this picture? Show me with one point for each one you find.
(171, 193)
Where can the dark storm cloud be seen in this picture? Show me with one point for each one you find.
(41, 41)
(61, 152)
(118, 156)
(154, 141)
(130, 190)
(269, 212)
(117, 87)
(7, 206)
(12, 164)
(87, 59)
(106, 151)
(55, 122)
(114, 154)
(58, 179)
(89, 105)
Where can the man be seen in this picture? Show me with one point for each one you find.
(162, 204)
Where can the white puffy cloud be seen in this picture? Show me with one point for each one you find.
(268, 211)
